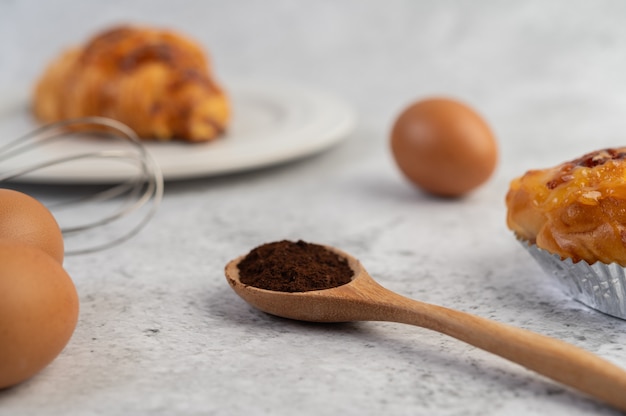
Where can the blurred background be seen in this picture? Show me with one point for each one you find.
(540, 72)
(549, 77)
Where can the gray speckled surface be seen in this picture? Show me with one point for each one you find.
(161, 333)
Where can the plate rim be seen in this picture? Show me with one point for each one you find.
(326, 131)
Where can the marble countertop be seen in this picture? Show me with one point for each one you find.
(161, 333)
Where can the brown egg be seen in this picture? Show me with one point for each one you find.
(38, 311)
(443, 146)
(24, 219)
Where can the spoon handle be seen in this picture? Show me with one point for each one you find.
(550, 357)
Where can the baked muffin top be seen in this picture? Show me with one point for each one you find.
(576, 209)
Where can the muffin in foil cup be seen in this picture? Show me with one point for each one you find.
(600, 286)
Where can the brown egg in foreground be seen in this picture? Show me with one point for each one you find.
(26, 220)
(444, 147)
(38, 311)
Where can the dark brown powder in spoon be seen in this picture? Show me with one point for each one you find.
(287, 266)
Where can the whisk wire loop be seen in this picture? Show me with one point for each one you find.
(144, 189)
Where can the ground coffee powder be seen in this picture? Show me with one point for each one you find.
(288, 266)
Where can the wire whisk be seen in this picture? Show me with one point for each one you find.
(138, 194)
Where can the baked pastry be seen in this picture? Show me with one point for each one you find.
(576, 210)
(572, 220)
(155, 81)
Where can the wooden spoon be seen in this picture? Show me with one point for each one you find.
(365, 300)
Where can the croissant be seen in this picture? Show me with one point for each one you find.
(155, 81)
(576, 209)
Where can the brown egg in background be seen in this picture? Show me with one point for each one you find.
(443, 146)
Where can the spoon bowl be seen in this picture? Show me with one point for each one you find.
(363, 299)
(337, 304)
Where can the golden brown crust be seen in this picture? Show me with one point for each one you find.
(576, 210)
(157, 82)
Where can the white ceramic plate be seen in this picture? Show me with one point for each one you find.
(272, 123)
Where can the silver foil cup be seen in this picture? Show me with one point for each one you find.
(600, 286)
